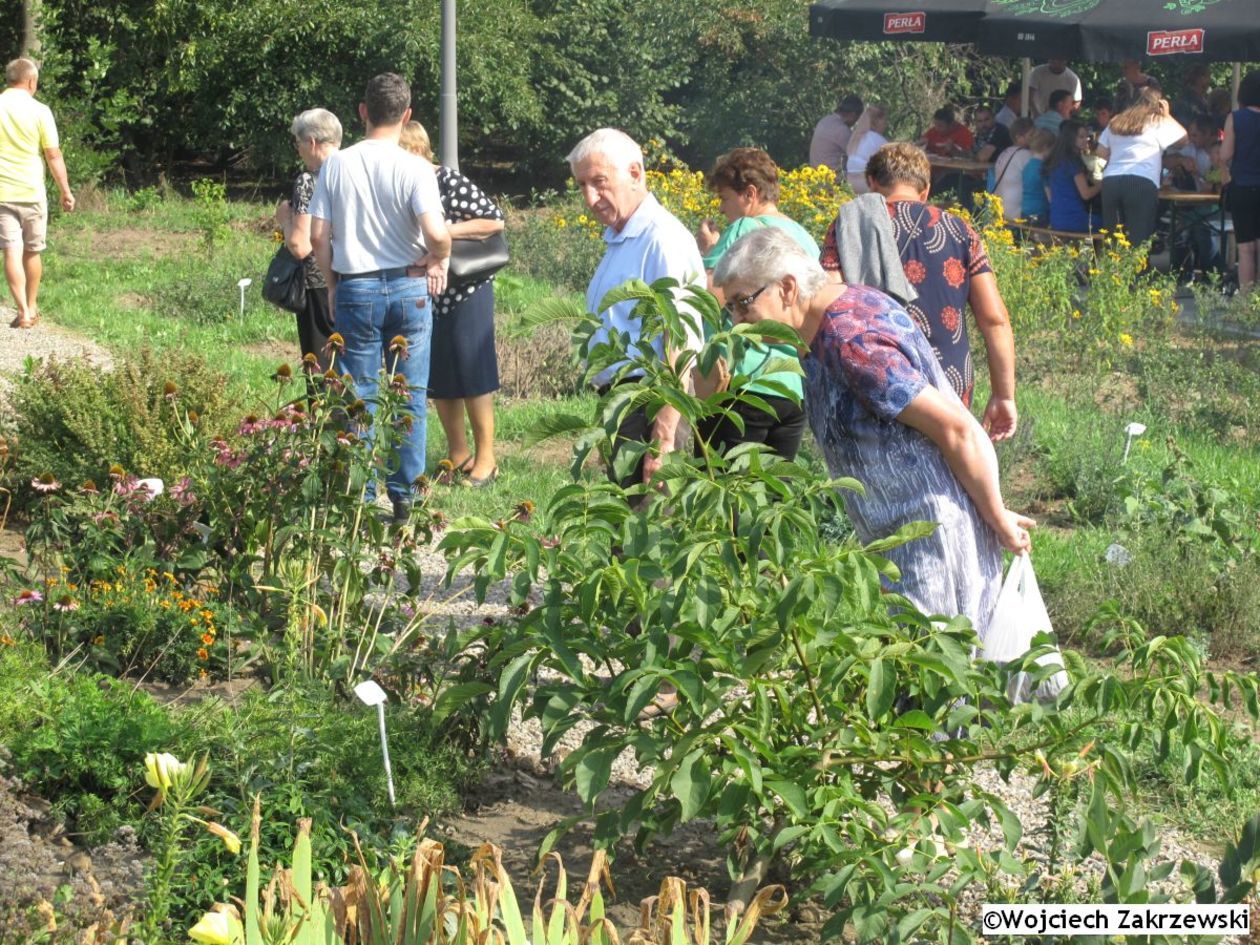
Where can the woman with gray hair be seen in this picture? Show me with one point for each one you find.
(316, 134)
(883, 412)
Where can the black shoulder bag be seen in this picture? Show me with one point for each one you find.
(473, 260)
(285, 283)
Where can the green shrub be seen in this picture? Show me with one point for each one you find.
(312, 754)
(79, 741)
(74, 420)
(554, 243)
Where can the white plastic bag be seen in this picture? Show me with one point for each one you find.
(1019, 616)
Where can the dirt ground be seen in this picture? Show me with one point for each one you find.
(516, 809)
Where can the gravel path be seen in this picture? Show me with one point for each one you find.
(45, 340)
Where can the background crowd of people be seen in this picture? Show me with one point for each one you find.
(1079, 171)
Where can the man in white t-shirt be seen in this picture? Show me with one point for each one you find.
(643, 241)
(28, 140)
(1047, 78)
(380, 238)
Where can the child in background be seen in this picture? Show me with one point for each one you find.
(1034, 207)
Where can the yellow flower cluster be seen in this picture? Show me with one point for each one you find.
(809, 195)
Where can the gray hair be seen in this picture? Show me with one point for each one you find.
(318, 124)
(18, 71)
(766, 256)
(617, 146)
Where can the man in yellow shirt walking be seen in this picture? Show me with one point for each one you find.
(27, 132)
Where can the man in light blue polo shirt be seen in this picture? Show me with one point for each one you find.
(644, 241)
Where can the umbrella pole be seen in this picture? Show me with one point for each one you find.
(1027, 68)
(1237, 81)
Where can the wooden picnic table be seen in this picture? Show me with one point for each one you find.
(961, 166)
(1189, 198)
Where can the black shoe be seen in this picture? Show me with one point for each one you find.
(402, 511)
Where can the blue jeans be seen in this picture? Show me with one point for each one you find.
(371, 311)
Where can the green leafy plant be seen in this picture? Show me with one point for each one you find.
(74, 420)
(210, 211)
(763, 677)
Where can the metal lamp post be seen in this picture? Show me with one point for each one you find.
(448, 120)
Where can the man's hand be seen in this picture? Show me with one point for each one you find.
(653, 459)
(1000, 419)
(435, 271)
(707, 235)
(67, 202)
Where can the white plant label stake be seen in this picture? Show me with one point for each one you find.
(370, 694)
(243, 285)
(1132, 430)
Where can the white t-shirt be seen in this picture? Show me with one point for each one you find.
(1140, 155)
(372, 195)
(871, 142)
(1042, 83)
(1008, 173)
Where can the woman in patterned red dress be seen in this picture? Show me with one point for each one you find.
(947, 264)
(883, 411)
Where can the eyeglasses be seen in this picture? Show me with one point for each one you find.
(740, 304)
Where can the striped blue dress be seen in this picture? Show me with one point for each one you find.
(865, 365)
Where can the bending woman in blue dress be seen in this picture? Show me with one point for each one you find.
(883, 412)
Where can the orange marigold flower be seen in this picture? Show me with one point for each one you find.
(207, 638)
(203, 654)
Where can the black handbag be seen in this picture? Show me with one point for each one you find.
(473, 260)
(285, 284)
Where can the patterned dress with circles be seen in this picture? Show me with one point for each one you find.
(940, 253)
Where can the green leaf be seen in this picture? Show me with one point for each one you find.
(691, 783)
(882, 689)
(453, 697)
(592, 771)
(793, 796)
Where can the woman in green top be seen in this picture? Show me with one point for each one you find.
(746, 181)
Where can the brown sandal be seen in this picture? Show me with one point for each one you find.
(20, 322)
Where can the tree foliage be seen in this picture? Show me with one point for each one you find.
(155, 81)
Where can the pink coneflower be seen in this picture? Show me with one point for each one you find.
(398, 384)
(398, 345)
(283, 374)
(65, 603)
(250, 425)
(336, 343)
(89, 488)
(116, 472)
(45, 483)
(28, 596)
(182, 492)
(310, 362)
(170, 391)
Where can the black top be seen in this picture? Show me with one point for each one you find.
(303, 187)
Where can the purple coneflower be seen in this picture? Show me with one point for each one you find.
(28, 596)
(65, 603)
(45, 483)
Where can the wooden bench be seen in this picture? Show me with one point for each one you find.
(1046, 236)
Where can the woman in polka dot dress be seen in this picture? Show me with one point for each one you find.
(464, 366)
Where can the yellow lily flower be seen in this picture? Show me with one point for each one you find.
(230, 840)
(162, 770)
(218, 928)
